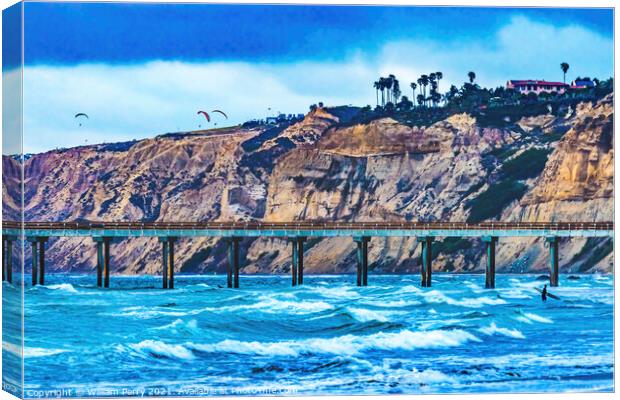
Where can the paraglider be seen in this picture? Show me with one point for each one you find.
(205, 114)
(81, 115)
(221, 112)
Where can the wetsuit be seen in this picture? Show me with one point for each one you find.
(544, 294)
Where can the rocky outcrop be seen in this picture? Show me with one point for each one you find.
(576, 185)
(323, 169)
(582, 168)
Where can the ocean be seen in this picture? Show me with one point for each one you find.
(325, 337)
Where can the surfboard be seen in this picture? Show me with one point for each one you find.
(548, 294)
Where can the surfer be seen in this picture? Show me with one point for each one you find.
(543, 293)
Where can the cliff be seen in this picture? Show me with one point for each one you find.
(556, 166)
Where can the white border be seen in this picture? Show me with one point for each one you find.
(473, 3)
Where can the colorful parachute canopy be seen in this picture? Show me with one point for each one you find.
(221, 112)
(80, 115)
(205, 114)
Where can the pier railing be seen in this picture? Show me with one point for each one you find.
(311, 226)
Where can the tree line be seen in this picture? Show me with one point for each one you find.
(426, 93)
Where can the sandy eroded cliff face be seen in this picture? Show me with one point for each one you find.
(324, 169)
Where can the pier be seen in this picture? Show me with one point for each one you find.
(106, 233)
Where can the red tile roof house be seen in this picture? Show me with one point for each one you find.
(533, 86)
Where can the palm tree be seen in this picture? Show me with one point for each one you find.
(420, 99)
(382, 85)
(425, 81)
(434, 97)
(472, 76)
(390, 85)
(452, 92)
(377, 86)
(420, 83)
(413, 87)
(565, 68)
(439, 76)
(396, 91)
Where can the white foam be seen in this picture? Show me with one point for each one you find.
(391, 304)
(156, 347)
(180, 324)
(535, 359)
(335, 292)
(408, 289)
(493, 329)
(12, 348)
(435, 296)
(272, 305)
(364, 315)
(345, 345)
(41, 352)
(65, 287)
(524, 319)
(30, 351)
(414, 376)
(147, 313)
(514, 294)
(537, 318)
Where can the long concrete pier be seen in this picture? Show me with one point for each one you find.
(104, 234)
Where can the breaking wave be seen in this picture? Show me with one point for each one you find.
(493, 329)
(344, 345)
(65, 287)
(159, 349)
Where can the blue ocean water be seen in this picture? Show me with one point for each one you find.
(325, 337)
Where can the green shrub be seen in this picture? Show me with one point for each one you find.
(528, 164)
(502, 153)
(598, 252)
(490, 203)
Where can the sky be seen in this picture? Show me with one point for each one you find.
(139, 70)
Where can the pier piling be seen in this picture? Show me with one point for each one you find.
(427, 256)
(99, 263)
(171, 241)
(35, 258)
(4, 258)
(300, 260)
(7, 257)
(38, 258)
(490, 269)
(362, 260)
(42, 241)
(167, 245)
(294, 263)
(233, 261)
(554, 263)
(106, 262)
(164, 262)
(297, 267)
(103, 259)
(4, 242)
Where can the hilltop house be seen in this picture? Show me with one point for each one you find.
(535, 86)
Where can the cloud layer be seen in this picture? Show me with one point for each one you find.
(135, 101)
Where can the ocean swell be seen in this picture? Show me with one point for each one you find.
(344, 345)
